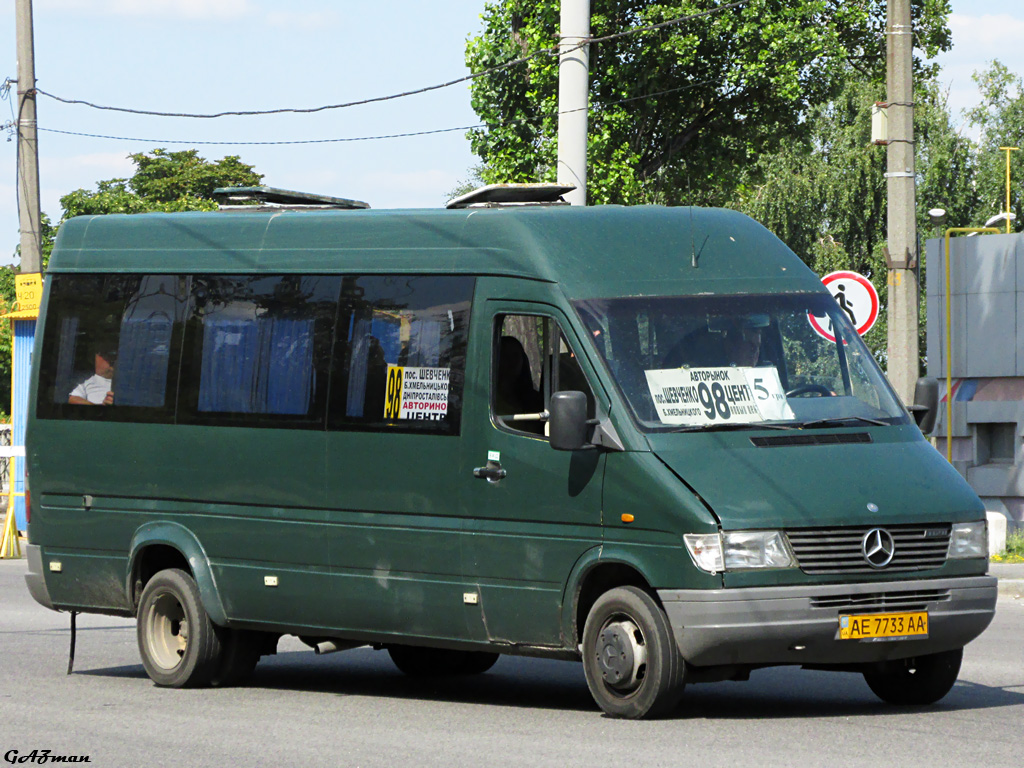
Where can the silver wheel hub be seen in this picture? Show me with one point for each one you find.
(622, 655)
(167, 632)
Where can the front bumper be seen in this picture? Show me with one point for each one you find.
(800, 625)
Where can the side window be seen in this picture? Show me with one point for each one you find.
(257, 350)
(400, 353)
(109, 347)
(532, 359)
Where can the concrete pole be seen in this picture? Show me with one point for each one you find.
(902, 228)
(28, 147)
(573, 90)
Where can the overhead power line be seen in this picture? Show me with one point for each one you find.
(361, 138)
(551, 51)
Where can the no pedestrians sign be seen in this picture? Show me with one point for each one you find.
(856, 297)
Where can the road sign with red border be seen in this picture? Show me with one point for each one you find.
(856, 296)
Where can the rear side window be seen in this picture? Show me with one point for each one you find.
(110, 346)
(400, 354)
(258, 350)
(363, 352)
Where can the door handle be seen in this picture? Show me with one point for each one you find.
(489, 473)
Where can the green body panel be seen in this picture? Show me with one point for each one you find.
(810, 486)
(394, 531)
(253, 499)
(527, 531)
(663, 509)
(751, 488)
(589, 252)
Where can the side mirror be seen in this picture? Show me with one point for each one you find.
(567, 423)
(926, 404)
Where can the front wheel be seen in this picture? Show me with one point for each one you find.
(920, 680)
(179, 645)
(630, 658)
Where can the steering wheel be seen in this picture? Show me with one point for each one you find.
(804, 389)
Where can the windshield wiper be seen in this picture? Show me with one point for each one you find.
(841, 420)
(735, 426)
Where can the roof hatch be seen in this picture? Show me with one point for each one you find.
(503, 195)
(236, 198)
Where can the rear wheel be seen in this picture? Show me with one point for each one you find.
(920, 680)
(630, 658)
(416, 661)
(179, 645)
(240, 652)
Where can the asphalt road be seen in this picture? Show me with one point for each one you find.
(355, 709)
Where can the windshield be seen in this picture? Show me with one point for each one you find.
(688, 363)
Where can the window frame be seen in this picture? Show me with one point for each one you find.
(550, 374)
(47, 405)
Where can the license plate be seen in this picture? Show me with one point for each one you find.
(870, 626)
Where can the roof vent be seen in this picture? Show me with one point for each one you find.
(240, 198)
(505, 195)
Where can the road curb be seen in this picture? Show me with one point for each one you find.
(1011, 588)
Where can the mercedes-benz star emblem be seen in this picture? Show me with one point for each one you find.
(878, 547)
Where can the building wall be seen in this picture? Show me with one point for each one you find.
(987, 329)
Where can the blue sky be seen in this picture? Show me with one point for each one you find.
(212, 55)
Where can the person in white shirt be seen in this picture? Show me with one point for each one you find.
(98, 389)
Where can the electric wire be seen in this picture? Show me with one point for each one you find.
(550, 51)
(409, 134)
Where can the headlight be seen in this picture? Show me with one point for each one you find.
(756, 549)
(739, 550)
(969, 540)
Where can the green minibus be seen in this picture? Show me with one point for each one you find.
(615, 435)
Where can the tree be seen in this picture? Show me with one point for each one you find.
(163, 181)
(1000, 117)
(676, 112)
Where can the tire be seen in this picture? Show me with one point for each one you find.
(630, 658)
(918, 681)
(179, 645)
(240, 652)
(416, 661)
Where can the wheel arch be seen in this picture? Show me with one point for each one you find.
(599, 570)
(163, 544)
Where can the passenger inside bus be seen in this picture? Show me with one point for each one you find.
(98, 389)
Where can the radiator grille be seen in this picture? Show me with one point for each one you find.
(909, 600)
(839, 550)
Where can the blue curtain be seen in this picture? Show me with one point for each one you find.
(143, 353)
(256, 365)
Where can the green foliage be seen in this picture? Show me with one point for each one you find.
(1000, 116)
(475, 180)
(1014, 552)
(676, 112)
(163, 181)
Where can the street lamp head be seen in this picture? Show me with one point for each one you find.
(1000, 217)
(937, 217)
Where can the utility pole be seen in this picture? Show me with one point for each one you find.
(28, 146)
(902, 228)
(573, 90)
